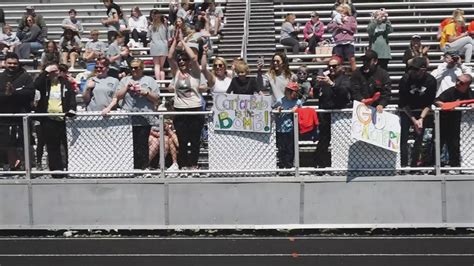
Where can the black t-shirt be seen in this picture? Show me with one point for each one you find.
(248, 86)
(417, 94)
(451, 95)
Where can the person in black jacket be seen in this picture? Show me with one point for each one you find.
(243, 84)
(332, 88)
(450, 121)
(417, 94)
(16, 95)
(57, 96)
(369, 79)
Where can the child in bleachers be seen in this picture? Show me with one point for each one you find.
(70, 45)
(8, 39)
(50, 54)
(94, 49)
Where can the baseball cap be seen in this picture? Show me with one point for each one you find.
(416, 36)
(369, 55)
(29, 7)
(452, 53)
(293, 86)
(314, 14)
(418, 62)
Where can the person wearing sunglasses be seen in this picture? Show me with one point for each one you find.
(188, 85)
(313, 32)
(217, 79)
(277, 77)
(303, 82)
(417, 91)
(450, 121)
(32, 38)
(100, 88)
(139, 93)
(332, 88)
(447, 72)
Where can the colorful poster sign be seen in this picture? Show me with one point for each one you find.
(236, 112)
(379, 129)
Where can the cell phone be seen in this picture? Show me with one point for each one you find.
(325, 73)
(261, 60)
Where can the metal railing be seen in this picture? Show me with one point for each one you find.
(30, 172)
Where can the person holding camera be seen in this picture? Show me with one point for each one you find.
(447, 72)
(378, 29)
(332, 88)
(139, 93)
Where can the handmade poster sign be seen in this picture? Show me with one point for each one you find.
(236, 112)
(379, 129)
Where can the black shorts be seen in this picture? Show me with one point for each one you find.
(345, 51)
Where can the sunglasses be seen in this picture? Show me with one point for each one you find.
(136, 68)
(302, 73)
(99, 67)
(277, 61)
(219, 65)
(29, 20)
(184, 59)
(333, 66)
(461, 82)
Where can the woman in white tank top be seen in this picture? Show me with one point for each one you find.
(217, 80)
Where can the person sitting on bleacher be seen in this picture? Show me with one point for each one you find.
(378, 29)
(448, 72)
(100, 89)
(112, 22)
(93, 50)
(289, 35)
(38, 19)
(8, 40)
(275, 80)
(313, 32)
(50, 54)
(456, 13)
(138, 25)
(73, 23)
(415, 50)
(369, 79)
(452, 40)
(343, 27)
(186, 14)
(32, 40)
(332, 88)
(70, 45)
(417, 91)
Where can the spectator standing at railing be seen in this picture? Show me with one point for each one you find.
(159, 34)
(138, 25)
(450, 121)
(57, 96)
(217, 79)
(188, 86)
(417, 91)
(289, 35)
(343, 27)
(32, 39)
(71, 46)
(369, 79)
(72, 23)
(112, 22)
(16, 93)
(100, 88)
(242, 84)
(139, 93)
(415, 50)
(452, 40)
(50, 54)
(332, 88)
(277, 77)
(313, 32)
(93, 50)
(448, 72)
(378, 29)
(285, 126)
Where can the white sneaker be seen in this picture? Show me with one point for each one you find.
(297, 60)
(174, 167)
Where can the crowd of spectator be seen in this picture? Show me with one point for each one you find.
(116, 79)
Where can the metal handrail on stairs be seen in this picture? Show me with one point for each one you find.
(245, 37)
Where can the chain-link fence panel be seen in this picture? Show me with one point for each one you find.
(467, 145)
(237, 150)
(97, 143)
(354, 155)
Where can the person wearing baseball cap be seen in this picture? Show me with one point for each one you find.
(285, 126)
(370, 79)
(417, 91)
(447, 72)
(415, 50)
(30, 11)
